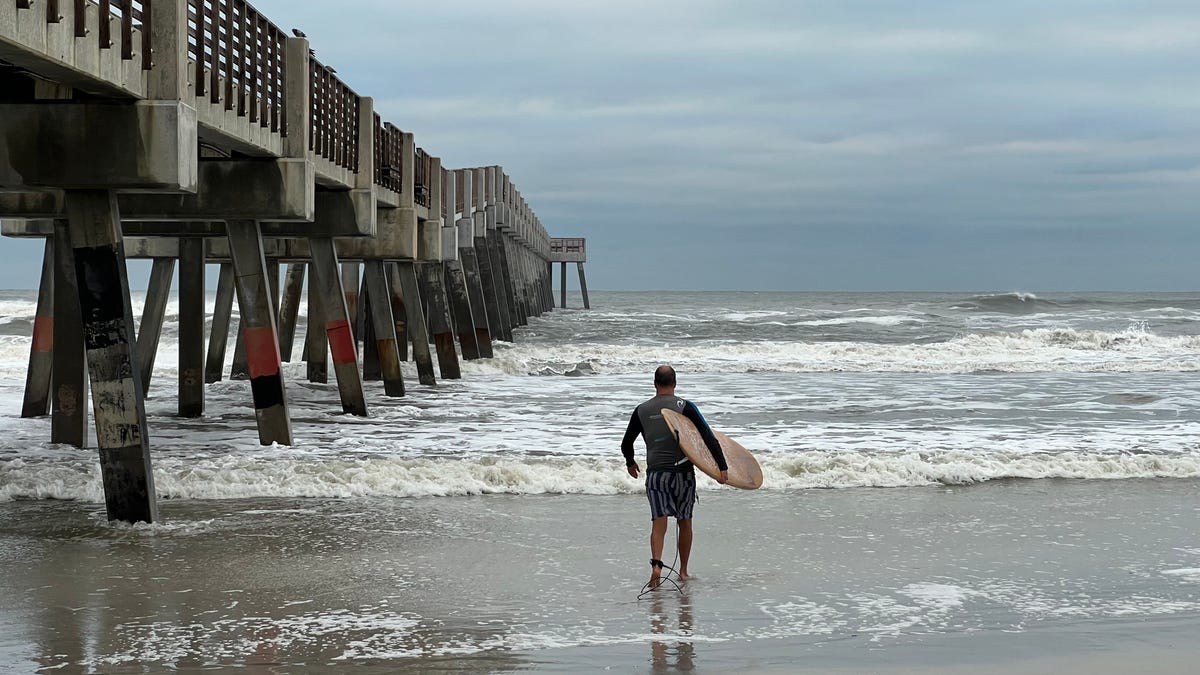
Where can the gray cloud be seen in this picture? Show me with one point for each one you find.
(789, 144)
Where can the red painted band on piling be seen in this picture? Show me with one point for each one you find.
(341, 341)
(43, 334)
(262, 351)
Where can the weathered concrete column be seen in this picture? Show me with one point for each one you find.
(289, 309)
(383, 325)
(399, 313)
(491, 290)
(583, 286)
(562, 274)
(548, 285)
(520, 315)
(158, 291)
(406, 278)
(68, 419)
(434, 296)
(107, 316)
(479, 319)
(191, 327)
(372, 371)
(41, 350)
(257, 316)
(316, 345)
(272, 266)
(240, 368)
(500, 277)
(214, 365)
(350, 283)
(529, 282)
(460, 305)
(337, 325)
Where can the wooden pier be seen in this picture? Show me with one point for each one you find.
(195, 132)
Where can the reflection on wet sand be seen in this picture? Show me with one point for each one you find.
(663, 608)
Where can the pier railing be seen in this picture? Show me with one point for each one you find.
(424, 173)
(389, 150)
(333, 129)
(236, 74)
(131, 18)
(237, 58)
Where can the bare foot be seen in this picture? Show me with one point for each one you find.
(684, 576)
(655, 579)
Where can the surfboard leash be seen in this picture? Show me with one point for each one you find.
(647, 588)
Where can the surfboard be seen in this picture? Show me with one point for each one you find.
(744, 471)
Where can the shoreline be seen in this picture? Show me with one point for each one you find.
(1032, 576)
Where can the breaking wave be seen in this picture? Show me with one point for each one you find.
(266, 475)
(1027, 351)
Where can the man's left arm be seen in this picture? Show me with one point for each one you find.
(710, 441)
(631, 433)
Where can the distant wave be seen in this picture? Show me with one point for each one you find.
(889, 320)
(1026, 351)
(238, 476)
(1014, 302)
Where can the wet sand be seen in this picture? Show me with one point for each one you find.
(1013, 576)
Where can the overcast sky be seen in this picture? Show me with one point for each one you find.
(786, 144)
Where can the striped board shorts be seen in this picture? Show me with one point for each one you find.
(671, 493)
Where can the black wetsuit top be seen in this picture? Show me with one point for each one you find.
(662, 450)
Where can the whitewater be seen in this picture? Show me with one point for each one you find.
(992, 481)
(831, 390)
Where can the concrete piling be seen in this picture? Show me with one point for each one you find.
(338, 329)
(399, 313)
(460, 305)
(68, 418)
(239, 369)
(406, 279)
(214, 365)
(583, 286)
(41, 352)
(191, 327)
(479, 319)
(371, 369)
(259, 334)
(289, 309)
(383, 327)
(562, 274)
(107, 319)
(491, 290)
(158, 292)
(350, 283)
(316, 345)
(504, 298)
(442, 333)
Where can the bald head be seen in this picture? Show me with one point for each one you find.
(664, 379)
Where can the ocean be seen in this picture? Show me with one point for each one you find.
(950, 479)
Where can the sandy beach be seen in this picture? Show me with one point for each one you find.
(1011, 576)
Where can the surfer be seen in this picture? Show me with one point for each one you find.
(670, 478)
